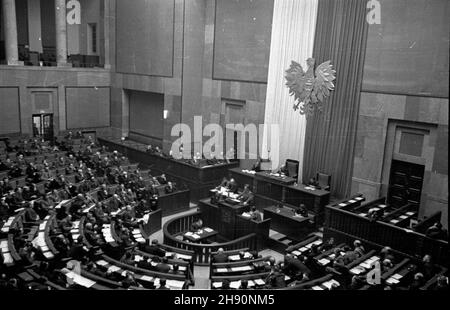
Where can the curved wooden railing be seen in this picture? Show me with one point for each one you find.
(202, 252)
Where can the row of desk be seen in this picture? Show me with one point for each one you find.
(199, 179)
(273, 189)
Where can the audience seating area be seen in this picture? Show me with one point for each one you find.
(70, 208)
(78, 216)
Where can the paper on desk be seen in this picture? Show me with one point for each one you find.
(113, 268)
(174, 284)
(317, 288)
(324, 261)
(234, 257)
(359, 198)
(403, 217)
(62, 203)
(235, 284)
(410, 213)
(352, 201)
(189, 233)
(394, 221)
(397, 276)
(342, 205)
(138, 258)
(102, 263)
(208, 230)
(251, 283)
(7, 258)
(392, 281)
(140, 240)
(241, 268)
(221, 270)
(48, 254)
(146, 278)
(83, 281)
(109, 239)
(182, 256)
(296, 253)
(303, 249)
(217, 284)
(248, 255)
(328, 284)
(195, 236)
(3, 244)
(259, 282)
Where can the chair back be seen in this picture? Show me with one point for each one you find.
(324, 180)
(292, 168)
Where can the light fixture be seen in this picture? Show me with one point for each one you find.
(166, 114)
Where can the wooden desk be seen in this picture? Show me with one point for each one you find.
(270, 189)
(314, 200)
(199, 179)
(284, 221)
(202, 235)
(221, 217)
(245, 226)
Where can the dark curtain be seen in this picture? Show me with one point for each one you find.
(341, 36)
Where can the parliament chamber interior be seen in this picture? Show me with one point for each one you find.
(224, 144)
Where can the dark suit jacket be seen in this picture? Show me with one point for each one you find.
(155, 250)
(161, 267)
(294, 265)
(220, 258)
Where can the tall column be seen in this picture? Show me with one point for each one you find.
(9, 15)
(61, 33)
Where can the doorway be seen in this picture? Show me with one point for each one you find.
(43, 126)
(405, 183)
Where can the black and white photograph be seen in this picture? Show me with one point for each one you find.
(226, 152)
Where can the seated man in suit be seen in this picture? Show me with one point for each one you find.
(294, 267)
(255, 214)
(154, 249)
(437, 232)
(313, 182)
(162, 179)
(246, 197)
(145, 263)
(162, 285)
(220, 257)
(163, 266)
(115, 204)
(232, 186)
(216, 198)
(283, 170)
(170, 188)
(276, 278)
(302, 211)
(197, 224)
(77, 204)
(154, 202)
(257, 165)
(90, 234)
(224, 183)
